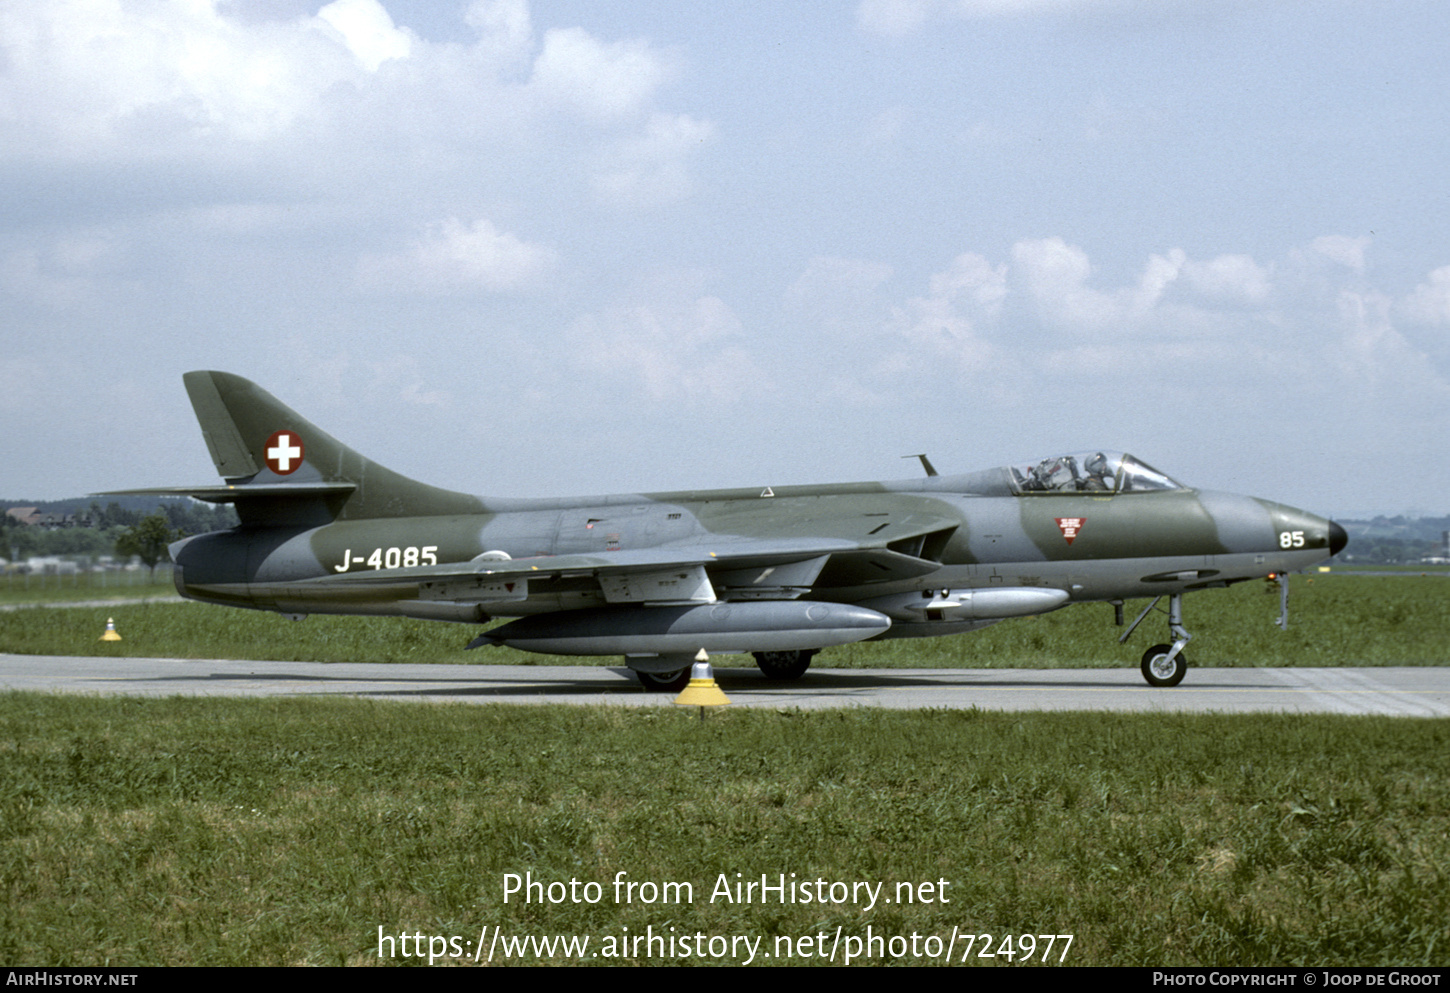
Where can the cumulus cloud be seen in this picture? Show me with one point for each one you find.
(92, 76)
(454, 257)
(185, 85)
(1348, 252)
(1202, 324)
(603, 80)
(837, 295)
(1055, 281)
(896, 18)
(650, 168)
(505, 27)
(687, 349)
(1234, 279)
(368, 31)
(955, 318)
(1054, 276)
(1430, 301)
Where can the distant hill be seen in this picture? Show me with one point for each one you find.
(74, 505)
(1395, 539)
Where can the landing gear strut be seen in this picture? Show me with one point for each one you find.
(1164, 665)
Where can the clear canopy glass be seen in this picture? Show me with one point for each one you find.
(1090, 472)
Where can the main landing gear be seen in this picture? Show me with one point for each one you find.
(1164, 665)
(664, 682)
(784, 665)
(664, 676)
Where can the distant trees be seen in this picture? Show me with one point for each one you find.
(114, 515)
(148, 539)
(195, 517)
(106, 525)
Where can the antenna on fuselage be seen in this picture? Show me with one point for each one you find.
(925, 464)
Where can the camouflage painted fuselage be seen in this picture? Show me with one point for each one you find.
(1127, 545)
(767, 569)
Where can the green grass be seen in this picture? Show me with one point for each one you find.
(30, 590)
(1334, 620)
(279, 832)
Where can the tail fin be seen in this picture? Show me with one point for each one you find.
(282, 468)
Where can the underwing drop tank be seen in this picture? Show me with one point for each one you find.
(753, 626)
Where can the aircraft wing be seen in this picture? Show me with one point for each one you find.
(726, 567)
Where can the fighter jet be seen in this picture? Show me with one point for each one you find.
(780, 572)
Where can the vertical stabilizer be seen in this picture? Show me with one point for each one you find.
(256, 440)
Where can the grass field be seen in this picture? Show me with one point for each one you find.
(224, 832)
(216, 832)
(118, 587)
(1334, 620)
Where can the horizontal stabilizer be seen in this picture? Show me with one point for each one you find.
(236, 494)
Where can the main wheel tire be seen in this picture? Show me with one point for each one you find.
(1159, 671)
(664, 682)
(784, 665)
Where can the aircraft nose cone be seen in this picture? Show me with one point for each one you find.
(1338, 538)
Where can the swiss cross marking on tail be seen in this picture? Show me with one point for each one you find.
(283, 452)
(1070, 526)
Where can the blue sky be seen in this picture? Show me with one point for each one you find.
(585, 247)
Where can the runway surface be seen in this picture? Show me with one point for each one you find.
(1403, 692)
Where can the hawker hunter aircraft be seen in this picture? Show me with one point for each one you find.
(777, 571)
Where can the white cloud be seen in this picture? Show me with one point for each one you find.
(836, 295)
(454, 257)
(505, 30)
(346, 94)
(1054, 276)
(604, 80)
(368, 30)
(1230, 278)
(102, 76)
(955, 319)
(652, 167)
(1216, 324)
(688, 350)
(1348, 252)
(1374, 357)
(896, 18)
(1430, 302)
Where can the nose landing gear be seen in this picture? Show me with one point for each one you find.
(1164, 665)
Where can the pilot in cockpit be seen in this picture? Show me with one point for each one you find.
(1099, 474)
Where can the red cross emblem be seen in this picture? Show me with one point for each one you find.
(283, 452)
(1070, 526)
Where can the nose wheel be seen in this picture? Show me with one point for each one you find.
(1162, 666)
(1165, 665)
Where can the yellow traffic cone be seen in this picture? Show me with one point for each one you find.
(110, 633)
(703, 691)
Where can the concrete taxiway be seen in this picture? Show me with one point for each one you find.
(1404, 692)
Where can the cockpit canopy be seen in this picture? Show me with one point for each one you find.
(1090, 472)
